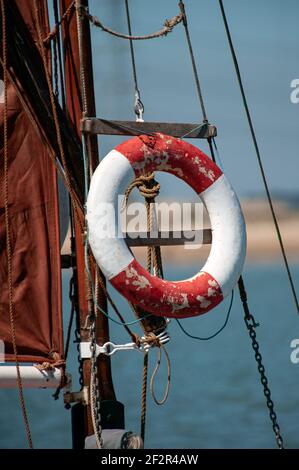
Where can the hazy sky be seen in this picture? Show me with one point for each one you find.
(266, 37)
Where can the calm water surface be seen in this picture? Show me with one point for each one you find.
(216, 400)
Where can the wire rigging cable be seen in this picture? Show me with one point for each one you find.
(248, 317)
(194, 66)
(138, 106)
(258, 155)
(206, 338)
(196, 74)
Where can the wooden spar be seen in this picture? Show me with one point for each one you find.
(169, 238)
(74, 106)
(107, 127)
(32, 377)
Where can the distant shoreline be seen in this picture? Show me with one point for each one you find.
(262, 242)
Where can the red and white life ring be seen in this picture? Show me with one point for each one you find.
(190, 297)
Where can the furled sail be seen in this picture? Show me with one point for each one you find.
(34, 230)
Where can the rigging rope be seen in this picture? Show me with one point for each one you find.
(8, 234)
(67, 180)
(149, 188)
(91, 284)
(249, 319)
(258, 155)
(55, 30)
(168, 27)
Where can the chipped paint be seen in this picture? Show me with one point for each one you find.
(179, 304)
(167, 298)
(139, 281)
(205, 171)
(205, 290)
(204, 303)
(211, 292)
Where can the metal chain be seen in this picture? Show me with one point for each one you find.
(95, 388)
(249, 319)
(251, 325)
(77, 340)
(144, 395)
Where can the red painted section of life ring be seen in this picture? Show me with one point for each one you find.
(178, 299)
(165, 153)
(160, 297)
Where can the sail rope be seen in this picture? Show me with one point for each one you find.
(92, 284)
(8, 234)
(258, 155)
(55, 31)
(167, 28)
(149, 188)
(66, 175)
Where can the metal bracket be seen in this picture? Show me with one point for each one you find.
(77, 397)
(169, 238)
(110, 348)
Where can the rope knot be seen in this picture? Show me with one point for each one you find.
(152, 340)
(148, 187)
(170, 24)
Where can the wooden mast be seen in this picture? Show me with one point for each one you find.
(74, 109)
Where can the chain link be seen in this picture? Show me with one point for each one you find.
(251, 325)
(94, 386)
(80, 362)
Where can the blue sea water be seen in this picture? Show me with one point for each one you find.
(216, 399)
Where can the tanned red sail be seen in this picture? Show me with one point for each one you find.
(34, 231)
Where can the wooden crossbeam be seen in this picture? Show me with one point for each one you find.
(107, 127)
(172, 238)
(163, 238)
